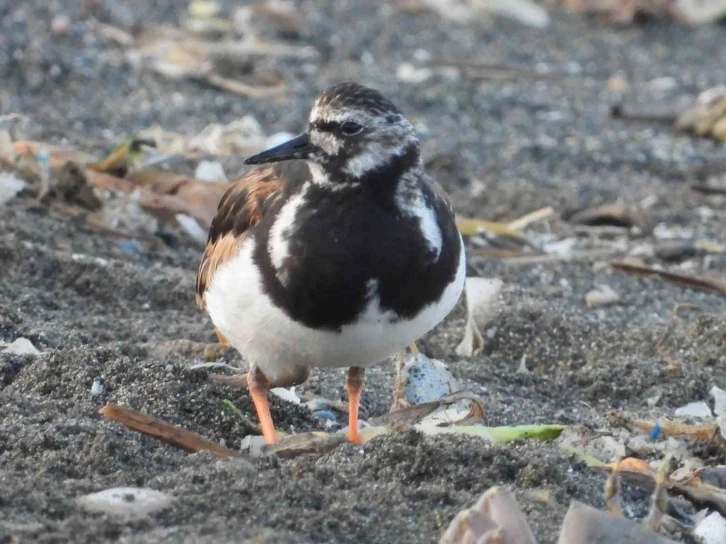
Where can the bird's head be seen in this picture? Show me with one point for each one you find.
(353, 132)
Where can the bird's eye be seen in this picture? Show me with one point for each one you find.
(349, 128)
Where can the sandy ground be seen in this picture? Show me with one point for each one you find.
(502, 148)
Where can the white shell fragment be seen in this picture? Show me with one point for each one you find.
(10, 185)
(426, 380)
(192, 227)
(694, 409)
(481, 295)
(286, 394)
(210, 171)
(603, 295)
(21, 346)
(719, 401)
(127, 502)
(253, 445)
(712, 530)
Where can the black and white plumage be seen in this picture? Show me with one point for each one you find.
(338, 257)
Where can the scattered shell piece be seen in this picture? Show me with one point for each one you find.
(286, 394)
(426, 380)
(712, 529)
(127, 502)
(719, 401)
(603, 295)
(408, 73)
(606, 448)
(481, 294)
(10, 186)
(318, 404)
(21, 346)
(562, 247)
(192, 227)
(694, 409)
(522, 369)
(253, 445)
(210, 171)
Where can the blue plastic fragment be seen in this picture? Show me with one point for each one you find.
(325, 414)
(655, 431)
(130, 246)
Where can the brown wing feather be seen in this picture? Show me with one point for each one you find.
(441, 193)
(241, 207)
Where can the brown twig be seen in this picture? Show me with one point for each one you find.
(708, 285)
(620, 111)
(705, 431)
(707, 189)
(161, 430)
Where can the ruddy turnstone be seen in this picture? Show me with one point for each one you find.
(341, 256)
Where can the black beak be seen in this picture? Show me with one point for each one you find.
(297, 148)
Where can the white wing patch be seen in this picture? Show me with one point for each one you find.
(279, 245)
(414, 204)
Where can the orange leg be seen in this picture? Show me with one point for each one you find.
(354, 386)
(222, 339)
(258, 386)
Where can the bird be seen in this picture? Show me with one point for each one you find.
(336, 250)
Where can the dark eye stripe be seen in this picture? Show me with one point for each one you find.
(327, 126)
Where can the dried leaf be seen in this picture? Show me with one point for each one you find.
(625, 11)
(470, 226)
(708, 116)
(161, 430)
(615, 215)
(584, 525)
(412, 415)
(532, 217)
(481, 296)
(496, 512)
(314, 443)
(125, 157)
(699, 283)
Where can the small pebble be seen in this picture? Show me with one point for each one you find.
(130, 246)
(602, 296)
(125, 502)
(97, 388)
(60, 25)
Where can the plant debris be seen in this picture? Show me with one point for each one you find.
(481, 306)
(161, 430)
(708, 285)
(707, 117)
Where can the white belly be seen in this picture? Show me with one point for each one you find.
(269, 339)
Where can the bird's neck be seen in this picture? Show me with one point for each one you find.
(385, 175)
